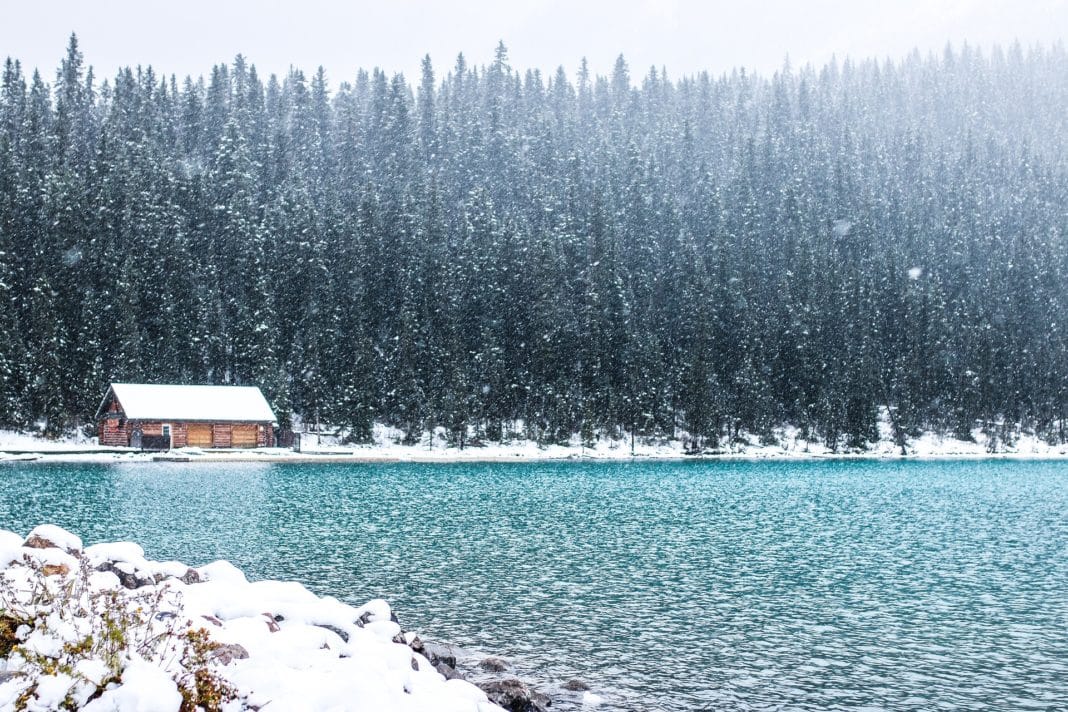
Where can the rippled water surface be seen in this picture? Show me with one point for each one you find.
(666, 586)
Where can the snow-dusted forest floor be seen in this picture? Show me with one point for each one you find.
(387, 446)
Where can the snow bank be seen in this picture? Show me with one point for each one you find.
(206, 637)
(784, 443)
(145, 687)
(16, 440)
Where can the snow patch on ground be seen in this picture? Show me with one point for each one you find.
(388, 444)
(786, 443)
(30, 441)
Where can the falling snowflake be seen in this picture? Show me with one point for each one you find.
(842, 227)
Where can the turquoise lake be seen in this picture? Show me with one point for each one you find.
(665, 586)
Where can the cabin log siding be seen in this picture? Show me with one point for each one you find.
(110, 433)
(221, 433)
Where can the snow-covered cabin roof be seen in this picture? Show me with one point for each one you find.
(142, 401)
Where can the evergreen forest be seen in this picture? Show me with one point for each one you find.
(505, 253)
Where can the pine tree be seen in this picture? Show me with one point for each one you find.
(623, 253)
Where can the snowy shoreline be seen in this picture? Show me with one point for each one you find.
(385, 448)
(104, 629)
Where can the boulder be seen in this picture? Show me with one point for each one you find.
(448, 672)
(493, 665)
(375, 610)
(332, 628)
(33, 541)
(228, 652)
(49, 536)
(515, 696)
(575, 686)
(128, 577)
(440, 657)
(438, 653)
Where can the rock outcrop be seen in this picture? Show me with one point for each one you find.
(515, 696)
(142, 634)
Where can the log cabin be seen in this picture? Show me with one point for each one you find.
(161, 417)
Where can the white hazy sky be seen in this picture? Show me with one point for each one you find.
(188, 36)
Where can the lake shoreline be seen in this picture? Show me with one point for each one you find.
(188, 635)
(786, 445)
(243, 457)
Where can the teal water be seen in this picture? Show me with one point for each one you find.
(666, 586)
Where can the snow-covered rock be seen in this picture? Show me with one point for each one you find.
(259, 643)
(125, 551)
(48, 536)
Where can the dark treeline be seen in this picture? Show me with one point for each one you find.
(581, 254)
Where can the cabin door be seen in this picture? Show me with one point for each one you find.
(199, 435)
(243, 436)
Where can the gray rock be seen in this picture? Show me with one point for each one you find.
(448, 672)
(575, 686)
(333, 629)
(189, 577)
(229, 652)
(128, 580)
(515, 696)
(367, 616)
(493, 665)
(438, 653)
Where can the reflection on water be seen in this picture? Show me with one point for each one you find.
(667, 586)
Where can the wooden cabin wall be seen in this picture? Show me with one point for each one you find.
(111, 435)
